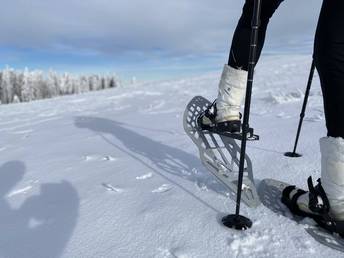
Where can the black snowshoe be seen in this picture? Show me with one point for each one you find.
(319, 206)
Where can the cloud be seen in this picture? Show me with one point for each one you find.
(118, 27)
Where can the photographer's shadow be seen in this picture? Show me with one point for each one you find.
(43, 224)
(152, 153)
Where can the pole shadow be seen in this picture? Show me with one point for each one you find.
(43, 224)
(153, 154)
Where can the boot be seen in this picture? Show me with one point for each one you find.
(332, 174)
(225, 112)
(324, 202)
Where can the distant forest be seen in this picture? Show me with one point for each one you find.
(24, 86)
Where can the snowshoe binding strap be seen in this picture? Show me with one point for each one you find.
(318, 201)
(219, 127)
(211, 112)
(318, 205)
(291, 203)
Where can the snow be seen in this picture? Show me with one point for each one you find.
(112, 173)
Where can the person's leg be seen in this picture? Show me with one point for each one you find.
(329, 59)
(232, 86)
(239, 53)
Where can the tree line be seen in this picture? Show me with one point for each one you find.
(24, 86)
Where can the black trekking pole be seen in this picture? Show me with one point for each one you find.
(236, 220)
(294, 154)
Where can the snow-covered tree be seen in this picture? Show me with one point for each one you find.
(23, 86)
(28, 87)
(6, 86)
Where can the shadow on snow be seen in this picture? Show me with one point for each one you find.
(43, 224)
(157, 156)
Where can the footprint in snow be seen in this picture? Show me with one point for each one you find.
(111, 188)
(109, 158)
(162, 189)
(23, 190)
(99, 157)
(143, 177)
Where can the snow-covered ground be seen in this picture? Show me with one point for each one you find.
(112, 173)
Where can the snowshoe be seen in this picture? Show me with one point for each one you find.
(220, 153)
(318, 207)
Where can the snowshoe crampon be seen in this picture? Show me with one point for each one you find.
(219, 153)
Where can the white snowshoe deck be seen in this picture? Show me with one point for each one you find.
(220, 154)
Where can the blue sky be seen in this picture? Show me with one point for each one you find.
(149, 39)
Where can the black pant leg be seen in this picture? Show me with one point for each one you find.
(329, 59)
(239, 53)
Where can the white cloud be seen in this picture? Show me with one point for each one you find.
(117, 27)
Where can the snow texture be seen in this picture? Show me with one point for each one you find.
(112, 173)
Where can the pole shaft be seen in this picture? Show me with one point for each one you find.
(251, 66)
(305, 101)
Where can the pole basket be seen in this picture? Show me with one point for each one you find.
(237, 222)
(292, 155)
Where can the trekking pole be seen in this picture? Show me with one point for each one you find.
(294, 154)
(236, 220)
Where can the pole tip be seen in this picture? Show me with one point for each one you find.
(292, 155)
(237, 222)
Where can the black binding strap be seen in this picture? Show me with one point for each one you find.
(318, 204)
(211, 112)
(292, 203)
(315, 194)
(325, 220)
